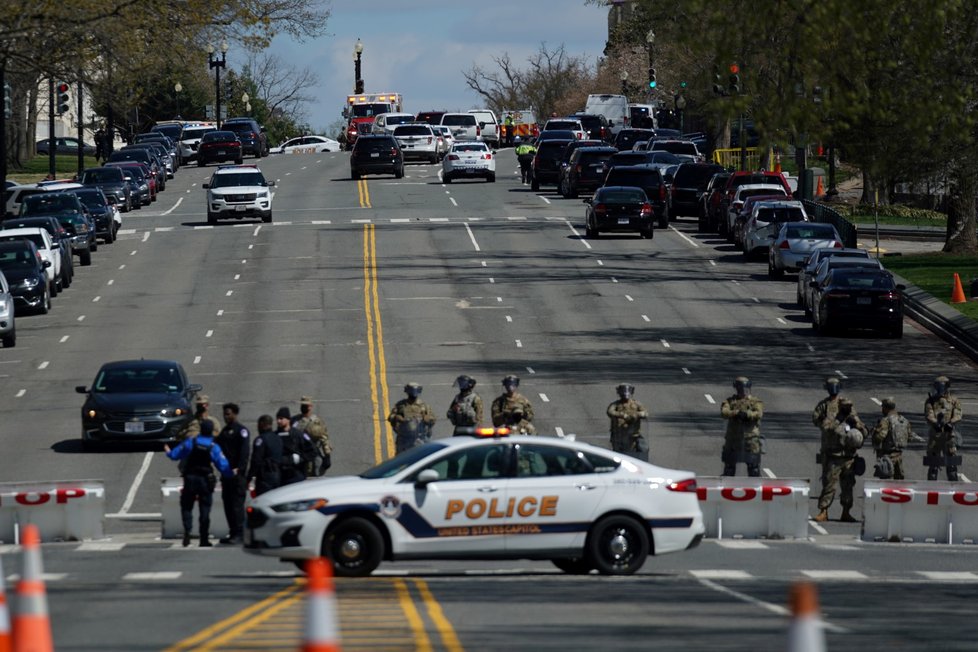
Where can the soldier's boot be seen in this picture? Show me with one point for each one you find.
(846, 516)
(753, 471)
(729, 469)
(186, 539)
(932, 472)
(205, 540)
(952, 474)
(822, 516)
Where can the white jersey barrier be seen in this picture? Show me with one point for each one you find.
(920, 512)
(754, 508)
(173, 522)
(71, 510)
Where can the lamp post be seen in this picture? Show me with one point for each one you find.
(177, 88)
(624, 82)
(357, 54)
(245, 100)
(217, 64)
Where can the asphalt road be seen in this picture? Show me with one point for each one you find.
(358, 288)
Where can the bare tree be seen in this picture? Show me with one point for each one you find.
(282, 87)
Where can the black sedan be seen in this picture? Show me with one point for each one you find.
(136, 401)
(64, 146)
(21, 264)
(218, 146)
(855, 297)
(619, 208)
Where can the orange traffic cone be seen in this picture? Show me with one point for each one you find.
(957, 294)
(805, 634)
(6, 639)
(321, 631)
(819, 188)
(32, 625)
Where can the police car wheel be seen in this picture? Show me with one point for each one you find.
(574, 566)
(355, 547)
(618, 545)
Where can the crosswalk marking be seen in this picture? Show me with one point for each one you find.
(834, 574)
(950, 576)
(738, 544)
(158, 575)
(93, 546)
(721, 574)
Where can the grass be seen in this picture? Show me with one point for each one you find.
(934, 273)
(868, 221)
(65, 166)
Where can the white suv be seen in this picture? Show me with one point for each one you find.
(237, 191)
(417, 141)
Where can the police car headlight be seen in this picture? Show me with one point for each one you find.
(300, 505)
(263, 193)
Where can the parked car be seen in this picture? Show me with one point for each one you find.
(101, 212)
(467, 160)
(14, 195)
(376, 154)
(546, 162)
(851, 297)
(619, 209)
(688, 186)
(190, 140)
(65, 145)
(741, 194)
(710, 203)
(745, 211)
(488, 125)
(417, 141)
(765, 220)
(71, 214)
(652, 183)
(806, 273)
(307, 145)
(171, 149)
(58, 234)
(835, 262)
(8, 322)
(686, 150)
(140, 155)
(585, 170)
(445, 139)
(24, 270)
(141, 183)
(164, 161)
(48, 249)
(595, 126)
(384, 123)
(112, 182)
(219, 146)
(795, 242)
(464, 126)
(740, 178)
(628, 157)
(250, 134)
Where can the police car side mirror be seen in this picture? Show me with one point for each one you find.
(205, 186)
(81, 389)
(270, 184)
(426, 477)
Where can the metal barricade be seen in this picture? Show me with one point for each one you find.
(822, 213)
(730, 158)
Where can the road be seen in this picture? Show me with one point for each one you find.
(360, 287)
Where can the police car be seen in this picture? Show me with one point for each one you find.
(488, 496)
(237, 191)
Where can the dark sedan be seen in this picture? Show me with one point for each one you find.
(136, 400)
(101, 212)
(23, 268)
(619, 209)
(546, 162)
(857, 297)
(58, 234)
(112, 182)
(217, 146)
(64, 146)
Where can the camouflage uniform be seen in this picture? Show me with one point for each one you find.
(842, 435)
(942, 410)
(743, 415)
(465, 412)
(412, 420)
(313, 425)
(192, 429)
(890, 436)
(513, 410)
(626, 416)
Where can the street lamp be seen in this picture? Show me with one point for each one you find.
(217, 64)
(177, 88)
(357, 54)
(624, 82)
(245, 101)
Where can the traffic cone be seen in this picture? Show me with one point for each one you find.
(6, 639)
(321, 632)
(805, 634)
(32, 625)
(957, 294)
(819, 188)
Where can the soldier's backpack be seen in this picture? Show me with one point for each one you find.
(900, 430)
(465, 416)
(884, 467)
(322, 458)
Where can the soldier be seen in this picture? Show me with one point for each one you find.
(842, 436)
(411, 419)
(626, 416)
(465, 412)
(513, 409)
(891, 434)
(311, 424)
(201, 406)
(742, 441)
(943, 411)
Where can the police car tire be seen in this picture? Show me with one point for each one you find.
(602, 536)
(366, 535)
(577, 566)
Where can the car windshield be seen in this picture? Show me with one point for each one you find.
(754, 192)
(173, 132)
(810, 232)
(694, 175)
(674, 147)
(746, 179)
(787, 214)
(218, 136)
(469, 147)
(239, 127)
(370, 109)
(412, 130)
(461, 120)
(572, 125)
(621, 196)
(663, 156)
(628, 137)
(196, 132)
(238, 179)
(399, 119)
(36, 238)
(120, 380)
(398, 463)
(102, 176)
(91, 199)
(49, 204)
(19, 257)
(640, 178)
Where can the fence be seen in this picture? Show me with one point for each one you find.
(822, 213)
(730, 158)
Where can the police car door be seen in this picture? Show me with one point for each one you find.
(455, 515)
(555, 496)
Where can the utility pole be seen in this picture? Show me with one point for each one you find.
(81, 129)
(51, 144)
(3, 123)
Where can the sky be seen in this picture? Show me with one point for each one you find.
(420, 48)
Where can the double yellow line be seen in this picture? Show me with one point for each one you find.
(375, 348)
(364, 193)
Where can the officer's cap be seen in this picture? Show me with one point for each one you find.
(202, 399)
(207, 427)
(305, 400)
(283, 413)
(744, 380)
(412, 386)
(888, 403)
(625, 387)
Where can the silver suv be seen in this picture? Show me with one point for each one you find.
(237, 191)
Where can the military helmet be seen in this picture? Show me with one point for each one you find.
(832, 385)
(625, 390)
(517, 139)
(413, 389)
(888, 403)
(942, 384)
(464, 382)
(742, 382)
(845, 402)
(511, 380)
(202, 399)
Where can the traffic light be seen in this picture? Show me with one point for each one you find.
(734, 86)
(8, 105)
(682, 84)
(359, 87)
(717, 81)
(62, 102)
(652, 82)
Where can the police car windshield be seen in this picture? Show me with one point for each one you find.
(400, 462)
(238, 179)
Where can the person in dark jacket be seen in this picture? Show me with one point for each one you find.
(234, 440)
(297, 448)
(266, 457)
(202, 454)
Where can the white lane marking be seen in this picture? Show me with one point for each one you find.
(209, 333)
(756, 300)
(163, 229)
(834, 574)
(601, 262)
(47, 577)
(544, 398)
(64, 339)
(578, 235)
(448, 192)
(949, 576)
(769, 473)
(111, 281)
(781, 321)
(685, 237)
(530, 370)
(434, 219)
(646, 318)
(559, 431)
(876, 400)
(519, 344)
(220, 312)
(516, 219)
(811, 348)
(397, 220)
(713, 262)
(840, 374)
(963, 477)
(126, 231)
(472, 238)
(196, 359)
(133, 252)
(773, 608)
(492, 280)
(122, 266)
(203, 228)
(614, 280)
(454, 203)
(544, 198)
(96, 299)
(666, 344)
(251, 246)
(21, 393)
(138, 480)
(229, 293)
(244, 260)
(43, 365)
(146, 236)
(720, 574)
(158, 575)
(484, 264)
(629, 297)
(360, 221)
(735, 281)
(509, 318)
(818, 528)
(81, 317)
(257, 229)
(499, 299)
(325, 222)
(687, 371)
(237, 276)
(710, 399)
(741, 545)
(92, 546)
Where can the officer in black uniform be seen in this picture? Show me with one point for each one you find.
(266, 457)
(202, 455)
(234, 440)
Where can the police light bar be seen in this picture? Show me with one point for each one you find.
(492, 432)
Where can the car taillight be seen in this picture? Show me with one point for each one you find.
(600, 209)
(580, 135)
(784, 245)
(662, 192)
(687, 486)
(646, 209)
(890, 296)
(453, 157)
(837, 245)
(578, 169)
(393, 151)
(478, 131)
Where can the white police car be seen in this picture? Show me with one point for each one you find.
(485, 497)
(237, 191)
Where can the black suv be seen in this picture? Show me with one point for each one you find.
(626, 138)
(585, 170)
(569, 150)
(595, 125)
(250, 133)
(376, 154)
(649, 179)
(688, 186)
(101, 212)
(546, 163)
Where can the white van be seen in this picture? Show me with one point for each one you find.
(613, 107)
(464, 126)
(384, 123)
(489, 125)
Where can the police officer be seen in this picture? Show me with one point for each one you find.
(626, 416)
(943, 411)
(311, 424)
(465, 412)
(411, 419)
(742, 441)
(842, 436)
(513, 409)
(297, 448)
(201, 414)
(234, 440)
(891, 434)
(508, 126)
(202, 454)
(266, 457)
(525, 151)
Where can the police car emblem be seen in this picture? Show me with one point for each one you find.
(390, 506)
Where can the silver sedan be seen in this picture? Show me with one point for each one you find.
(794, 244)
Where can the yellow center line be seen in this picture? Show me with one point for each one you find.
(382, 372)
(245, 627)
(363, 193)
(442, 624)
(421, 641)
(371, 353)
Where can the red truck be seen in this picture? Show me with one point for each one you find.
(361, 109)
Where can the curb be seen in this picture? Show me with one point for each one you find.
(939, 318)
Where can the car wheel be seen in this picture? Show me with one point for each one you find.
(200, 164)
(65, 278)
(354, 175)
(701, 225)
(89, 445)
(53, 287)
(399, 172)
(85, 258)
(239, 160)
(355, 547)
(575, 566)
(571, 191)
(773, 272)
(799, 300)
(491, 178)
(618, 545)
(896, 333)
(446, 178)
(433, 158)
(45, 303)
(211, 218)
(534, 185)
(267, 218)
(93, 245)
(258, 153)
(648, 233)
(10, 339)
(664, 221)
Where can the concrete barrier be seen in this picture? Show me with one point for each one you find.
(754, 508)
(61, 510)
(173, 523)
(920, 512)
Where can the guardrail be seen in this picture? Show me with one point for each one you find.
(730, 158)
(822, 213)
